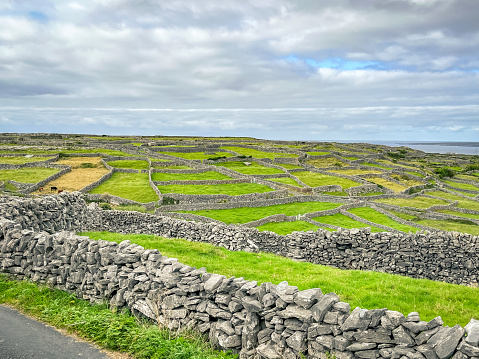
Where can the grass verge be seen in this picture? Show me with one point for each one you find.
(252, 169)
(289, 227)
(314, 179)
(248, 214)
(210, 175)
(27, 175)
(112, 330)
(232, 189)
(372, 215)
(343, 221)
(456, 304)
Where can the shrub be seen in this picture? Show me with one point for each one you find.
(169, 201)
(472, 167)
(396, 155)
(88, 165)
(217, 158)
(105, 206)
(445, 172)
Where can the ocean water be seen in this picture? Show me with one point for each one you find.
(465, 148)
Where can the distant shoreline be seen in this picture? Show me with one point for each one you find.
(461, 144)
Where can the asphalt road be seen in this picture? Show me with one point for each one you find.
(25, 338)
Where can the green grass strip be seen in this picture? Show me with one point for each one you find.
(416, 202)
(22, 160)
(110, 329)
(133, 164)
(256, 153)
(456, 304)
(210, 175)
(252, 169)
(248, 214)
(285, 180)
(314, 179)
(372, 215)
(288, 166)
(462, 185)
(133, 186)
(463, 203)
(343, 221)
(460, 214)
(231, 189)
(196, 155)
(28, 175)
(288, 227)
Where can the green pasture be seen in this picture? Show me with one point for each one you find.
(472, 177)
(289, 227)
(256, 153)
(388, 184)
(253, 168)
(130, 164)
(318, 153)
(451, 225)
(210, 175)
(375, 165)
(285, 180)
(133, 186)
(462, 185)
(416, 174)
(343, 221)
(288, 166)
(196, 155)
(372, 215)
(28, 175)
(462, 202)
(174, 167)
(456, 304)
(22, 160)
(416, 202)
(354, 172)
(327, 162)
(249, 214)
(460, 214)
(314, 179)
(231, 189)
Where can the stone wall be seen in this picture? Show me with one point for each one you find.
(267, 321)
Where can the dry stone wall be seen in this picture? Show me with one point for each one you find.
(267, 321)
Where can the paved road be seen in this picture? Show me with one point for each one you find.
(24, 338)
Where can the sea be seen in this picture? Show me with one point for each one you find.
(465, 148)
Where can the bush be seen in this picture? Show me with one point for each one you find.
(472, 167)
(105, 206)
(396, 155)
(216, 158)
(169, 201)
(88, 165)
(445, 172)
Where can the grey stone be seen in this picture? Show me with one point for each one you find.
(286, 292)
(230, 342)
(402, 337)
(295, 311)
(251, 304)
(392, 319)
(445, 341)
(380, 336)
(357, 319)
(386, 352)
(472, 330)
(459, 355)
(268, 351)
(361, 346)
(367, 354)
(423, 337)
(326, 341)
(436, 322)
(323, 306)
(213, 282)
(318, 329)
(413, 317)
(297, 341)
(427, 351)
(468, 349)
(340, 343)
(226, 327)
(307, 298)
(415, 327)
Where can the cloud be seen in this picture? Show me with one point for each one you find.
(240, 66)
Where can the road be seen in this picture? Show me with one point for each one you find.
(25, 338)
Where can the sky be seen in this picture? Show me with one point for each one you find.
(393, 70)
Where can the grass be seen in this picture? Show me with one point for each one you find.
(354, 172)
(451, 225)
(372, 215)
(460, 214)
(256, 153)
(133, 164)
(85, 170)
(210, 175)
(456, 304)
(388, 184)
(336, 193)
(343, 221)
(196, 155)
(252, 169)
(248, 214)
(288, 166)
(416, 202)
(416, 174)
(174, 167)
(288, 227)
(407, 180)
(350, 158)
(462, 185)
(326, 162)
(105, 151)
(28, 175)
(232, 189)
(318, 153)
(133, 186)
(468, 177)
(375, 165)
(22, 160)
(390, 163)
(113, 330)
(313, 179)
(463, 203)
(285, 180)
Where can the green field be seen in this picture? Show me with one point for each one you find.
(174, 167)
(196, 155)
(285, 180)
(343, 221)
(28, 175)
(22, 160)
(416, 202)
(288, 166)
(456, 304)
(289, 227)
(256, 153)
(253, 168)
(462, 226)
(375, 165)
(318, 153)
(132, 164)
(133, 186)
(354, 172)
(210, 175)
(463, 203)
(231, 189)
(462, 185)
(460, 214)
(249, 214)
(326, 162)
(372, 215)
(388, 184)
(314, 179)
